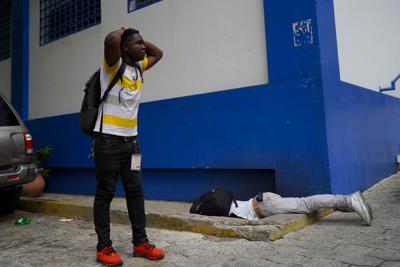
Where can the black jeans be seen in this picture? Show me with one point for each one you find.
(113, 159)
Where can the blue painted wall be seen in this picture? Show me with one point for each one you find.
(261, 138)
(171, 184)
(285, 61)
(305, 132)
(362, 129)
(277, 127)
(20, 56)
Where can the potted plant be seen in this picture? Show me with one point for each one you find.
(36, 187)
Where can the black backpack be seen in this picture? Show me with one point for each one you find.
(216, 202)
(91, 100)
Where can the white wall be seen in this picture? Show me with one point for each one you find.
(208, 46)
(59, 69)
(368, 42)
(5, 78)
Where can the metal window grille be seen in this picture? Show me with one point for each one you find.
(138, 4)
(59, 18)
(5, 25)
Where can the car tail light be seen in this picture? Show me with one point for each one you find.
(13, 177)
(28, 144)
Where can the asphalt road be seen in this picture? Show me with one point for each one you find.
(340, 239)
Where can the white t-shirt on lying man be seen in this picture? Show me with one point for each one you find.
(243, 210)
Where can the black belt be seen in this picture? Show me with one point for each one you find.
(114, 137)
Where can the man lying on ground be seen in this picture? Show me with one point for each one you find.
(220, 202)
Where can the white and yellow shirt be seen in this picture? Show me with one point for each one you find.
(120, 109)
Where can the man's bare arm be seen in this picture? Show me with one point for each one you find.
(154, 54)
(112, 50)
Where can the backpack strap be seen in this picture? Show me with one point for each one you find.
(137, 65)
(118, 75)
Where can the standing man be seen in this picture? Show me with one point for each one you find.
(116, 144)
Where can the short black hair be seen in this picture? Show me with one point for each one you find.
(127, 35)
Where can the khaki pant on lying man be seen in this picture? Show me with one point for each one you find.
(267, 204)
(221, 202)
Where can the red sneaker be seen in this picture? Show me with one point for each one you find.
(109, 257)
(148, 250)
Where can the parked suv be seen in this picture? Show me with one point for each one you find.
(16, 167)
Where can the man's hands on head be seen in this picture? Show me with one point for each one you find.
(154, 54)
(112, 51)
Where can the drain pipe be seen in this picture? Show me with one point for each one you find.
(393, 85)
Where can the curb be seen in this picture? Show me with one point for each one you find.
(298, 224)
(216, 226)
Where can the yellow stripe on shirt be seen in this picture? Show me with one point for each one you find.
(110, 69)
(145, 63)
(118, 121)
(127, 83)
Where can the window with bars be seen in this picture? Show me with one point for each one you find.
(59, 18)
(138, 4)
(5, 25)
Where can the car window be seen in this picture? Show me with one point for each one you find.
(7, 117)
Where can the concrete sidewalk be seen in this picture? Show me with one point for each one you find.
(174, 216)
(339, 239)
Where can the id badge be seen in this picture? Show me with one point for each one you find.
(136, 161)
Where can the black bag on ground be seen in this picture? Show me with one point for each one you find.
(92, 99)
(216, 202)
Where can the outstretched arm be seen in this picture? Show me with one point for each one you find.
(154, 54)
(112, 51)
